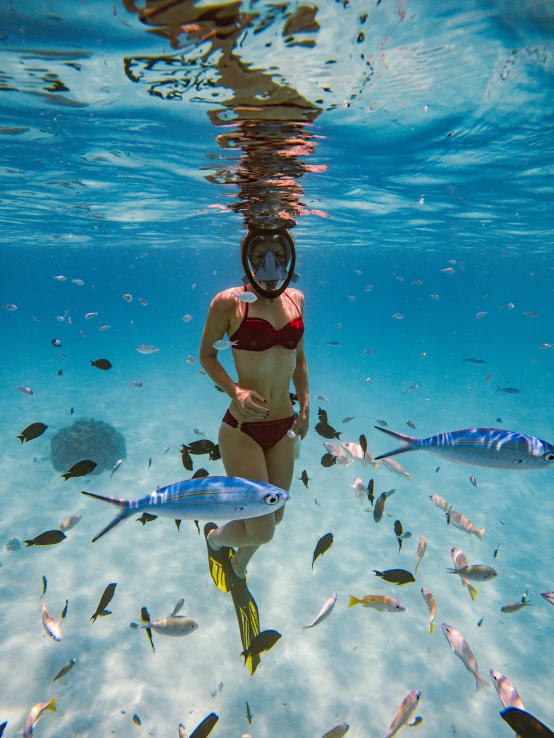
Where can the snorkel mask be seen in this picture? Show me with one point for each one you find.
(269, 272)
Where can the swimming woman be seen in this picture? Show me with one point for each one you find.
(264, 321)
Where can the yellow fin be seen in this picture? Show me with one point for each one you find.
(353, 601)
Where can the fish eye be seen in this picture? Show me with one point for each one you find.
(518, 461)
(549, 457)
(271, 498)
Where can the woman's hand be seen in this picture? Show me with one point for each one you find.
(302, 423)
(251, 404)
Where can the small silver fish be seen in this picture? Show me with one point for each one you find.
(65, 670)
(432, 605)
(223, 344)
(60, 278)
(78, 282)
(317, 502)
(26, 391)
(135, 384)
(70, 523)
(146, 348)
(473, 481)
(460, 521)
(89, 316)
(337, 731)
(51, 627)
(421, 548)
(245, 297)
(461, 648)
(440, 502)
(321, 398)
(460, 561)
(404, 713)
(174, 626)
(116, 467)
(199, 432)
(511, 607)
(506, 690)
(348, 419)
(478, 572)
(325, 611)
(393, 466)
(10, 307)
(127, 297)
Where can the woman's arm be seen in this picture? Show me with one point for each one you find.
(300, 381)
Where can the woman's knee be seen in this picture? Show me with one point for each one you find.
(261, 530)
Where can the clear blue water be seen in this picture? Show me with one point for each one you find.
(439, 149)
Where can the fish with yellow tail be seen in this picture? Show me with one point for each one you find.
(203, 498)
(404, 713)
(381, 603)
(460, 561)
(34, 716)
(461, 648)
(492, 448)
(432, 605)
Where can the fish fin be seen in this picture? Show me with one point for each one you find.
(479, 533)
(51, 705)
(353, 601)
(21, 438)
(378, 573)
(29, 543)
(400, 436)
(431, 627)
(481, 682)
(472, 591)
(375, 464)
(125, 512)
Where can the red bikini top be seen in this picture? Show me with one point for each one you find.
(257, 334)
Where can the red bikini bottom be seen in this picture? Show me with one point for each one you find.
(266, 433)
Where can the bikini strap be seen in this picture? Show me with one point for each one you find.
(245, 304)
(295, 305)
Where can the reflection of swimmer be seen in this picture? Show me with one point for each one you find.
(268, 353)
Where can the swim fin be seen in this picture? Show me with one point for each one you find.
(220, 562)
(248, 619)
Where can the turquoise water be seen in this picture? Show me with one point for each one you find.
(436, 147)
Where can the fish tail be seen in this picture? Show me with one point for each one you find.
(472, 591)
(124, 513)
(479, 533)
(498, 390)
(375, 464)
(66, 476)
(411, 443)
(481, 682)
(353, 601)
(21, 438)
(29, 543)
(431, 627)
(51, 705)
(378, 573)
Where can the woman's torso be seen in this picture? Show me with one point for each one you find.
(268, 371)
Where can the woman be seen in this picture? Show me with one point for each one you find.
(264, 321)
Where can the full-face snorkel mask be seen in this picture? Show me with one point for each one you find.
(271, 276)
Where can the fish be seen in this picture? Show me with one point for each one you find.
(404, 713)
(150, 462)
(325, 611)
(506, 690)
(223, 344)
(357, 452)
(105, 600)
(395, 576)
(509, 390)
(410, 423)
(44, 586)
(460, 521)
(174, 625)
(461, 648)
(432, 605)
(10, 307)
(127, 297)
(185, 458)
(413, 388)
(56, 342)
(496, 550)
(321, 398)
(398, 316)
(479, 362)
(145, 618)
(261, 643)
(370, 491)
(65, 670)
(348, 419)
(382, 423)
(488, 378)
(78, 282)
(440, 502)
(304, 478)
(187, 318)
(26, 391)
(379, 507)
(327, 431)
(51, 627)
(398, 532)
(249, 715)
(146, 518)
(146, 348)
(60, 278)
(136, 719)
(89, 316)
(59, 372)
(222, 498)
(246, 296)
(434, 297)
(36, 711)
(203, 446)
(317, 502)
(421, 549)
(492, 448)
(511, 607)
(424, 355)
(31, 432)
(531, 314)
(143, 301)
(323, 545)
(525, 725)
(460, 561)
(448, 270)
(332, 343)
(328, 460)
(341, 456)
(103, 364)
(49, 538)
(477, 573)
(116, 467)
(199, 473)
(337, 731)
(381, 603)
(545, 345)
(135, 384)
(80, 469)
(206, 726)
(473, 481)
(198, 432)
(393, 466)
(548, 596)
(64, 611)
(481, 314)
(3, 728)
(359, 489)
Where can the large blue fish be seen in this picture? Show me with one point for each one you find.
(204, 498)
(492, 448)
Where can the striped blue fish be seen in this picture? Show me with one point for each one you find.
(492, 448)
(204, 498)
